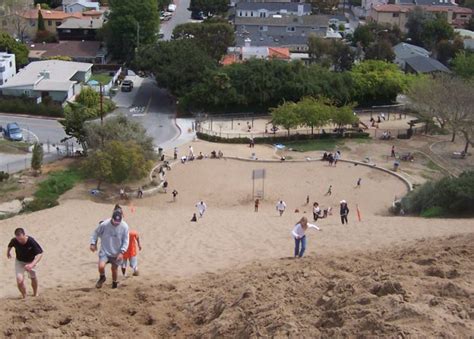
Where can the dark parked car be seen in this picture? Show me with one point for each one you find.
(127, 86)
(197, 15)
(13, 132)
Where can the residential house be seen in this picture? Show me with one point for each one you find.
(393, 14)
(235, 2)
(59, 80)
(468, 38)
(404, 51)
(52, 19)
(80, 51)
(247, 52)
(79, 29)
(268, 9)
(424, 65)
(7, 67)
(280, 31)
(72, 6)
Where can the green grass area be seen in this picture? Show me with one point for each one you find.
(50, 190)
(433, 166)
(103, 78)
(13, 147)
(314, 145)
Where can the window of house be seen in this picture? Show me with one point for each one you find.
(263, 28)
(240, 13)
(290, 29)
(251, 13)
(11, 64)
(395, 15)
(50, 23)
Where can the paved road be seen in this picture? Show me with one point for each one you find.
(44, 129)
(157, 111)
(180, 16)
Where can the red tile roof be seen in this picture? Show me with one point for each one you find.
(50, 14)
(279, 53)
(229, 59)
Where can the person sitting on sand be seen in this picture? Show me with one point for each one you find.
(298, 234)
(194, 218)
(200, 156)
(213, 155)
(325, 156)
(220, 154)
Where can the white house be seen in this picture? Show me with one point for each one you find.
(72, 6)
(7, 67)
(269, 9)
(57, 79)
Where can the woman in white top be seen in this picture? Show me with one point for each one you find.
(298, 234)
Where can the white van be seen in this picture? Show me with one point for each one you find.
(171, 8)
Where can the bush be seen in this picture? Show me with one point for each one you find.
(26, 105)
(4, 176)
(279, 139)
(446, 197)
(51, 189)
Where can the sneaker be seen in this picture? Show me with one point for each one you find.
(114, 284)
(100, 282)
(136, 274)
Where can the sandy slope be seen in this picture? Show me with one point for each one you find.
(423, 289)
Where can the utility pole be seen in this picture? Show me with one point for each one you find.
(101, 113)
(138, 35)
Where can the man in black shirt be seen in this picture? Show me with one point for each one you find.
(28, 254)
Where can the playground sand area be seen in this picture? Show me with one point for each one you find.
(239, 254)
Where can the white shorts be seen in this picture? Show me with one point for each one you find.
(133, 261)
(20, 269)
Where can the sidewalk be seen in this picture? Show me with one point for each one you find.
(186, 134)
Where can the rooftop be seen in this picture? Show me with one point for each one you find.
(273, 6)
(405, 51)
(392, 8)
(74, 23)
(49, 14)
(290, 20)
(427, 2)
(58, 76)
(73, 49)
(422, 64)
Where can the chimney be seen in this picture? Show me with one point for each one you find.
(247, 42)
(44, 74)
(300, 9)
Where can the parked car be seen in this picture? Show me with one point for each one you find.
(171, 8)
(197, 15)
(13, 132)
(127, 86)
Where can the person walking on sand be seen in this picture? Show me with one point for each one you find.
(28, 254)
(131, 255)
(257, 202)
(337, 157)
(202, 207)
(358, 183)
(329, 192)
(114, 238)
(298, 234)
(174, 193)
(392, 153)
(344, 211)
(281, 207)
(316, 211)
(175, 153)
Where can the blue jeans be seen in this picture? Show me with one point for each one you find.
(298, 252)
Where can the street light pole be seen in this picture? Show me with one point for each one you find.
(138, 35)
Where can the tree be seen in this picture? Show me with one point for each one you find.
(41, 26)
(324, 6)
(463, 65)
(74, 123)
(88, 98)
(435, 30)
(286, 116)
(343, 116)
(470, 24)
(177, 65)
(10, 45)
(342, 56)
(363, 35)
(319, 50)
(446, 50)
(119, 128)
(213, 37)
(377, 82)
(448, 100)
(314, 112)
(210, 7)
(49, 3)
(415, 26)
(60, 57)
(163, 4)
(130, 24)
(380, 50)
(37, 157)
(117, 162)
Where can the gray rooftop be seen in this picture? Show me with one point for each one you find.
(404, 51)
(74, 23)
(273, 6)
(426, 2)
(291, 20)
(423, 64)
(275, 41)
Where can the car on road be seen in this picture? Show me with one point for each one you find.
(13, 132)
(171, 8)
(127, 86)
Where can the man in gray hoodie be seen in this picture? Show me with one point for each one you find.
(113, 234)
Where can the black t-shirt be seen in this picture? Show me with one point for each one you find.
(28, 251)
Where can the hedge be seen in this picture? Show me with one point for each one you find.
(282, 139)
(28, 106)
